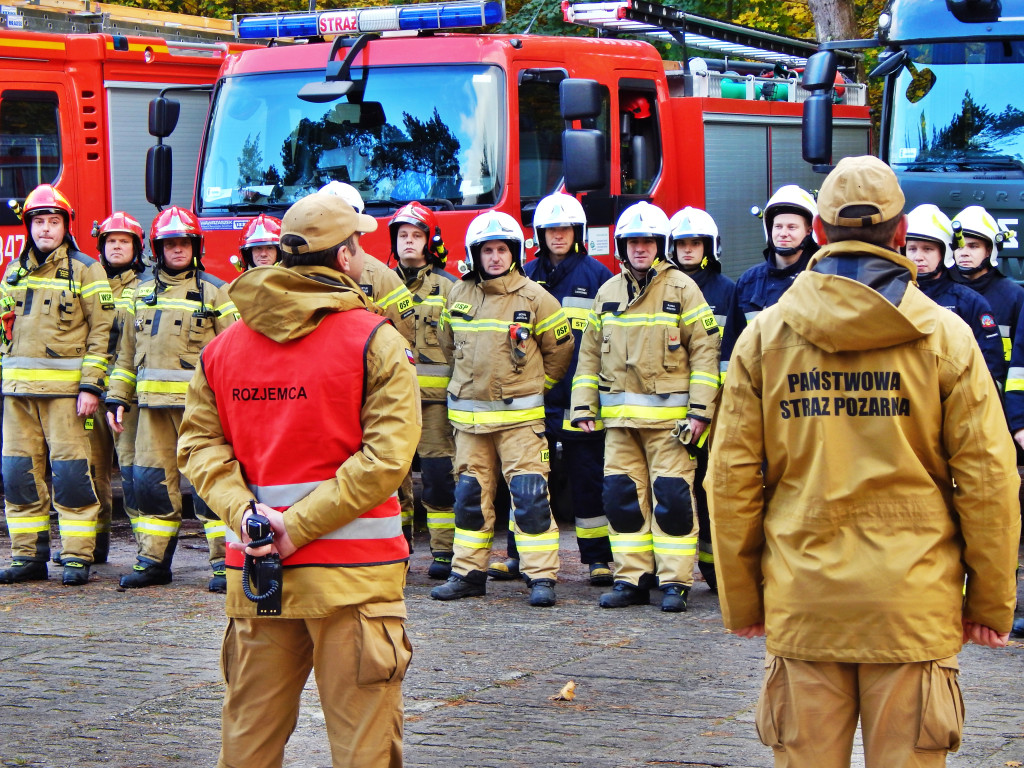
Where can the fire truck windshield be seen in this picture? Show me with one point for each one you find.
(402, 133)
(954, 109)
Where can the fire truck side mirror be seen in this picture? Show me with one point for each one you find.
(820, 72)
(158, 175)
(580, 99)
(163, 116)
(817, 128)
(584, 165)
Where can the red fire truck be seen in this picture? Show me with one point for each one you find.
(404, 110)
(74, 100)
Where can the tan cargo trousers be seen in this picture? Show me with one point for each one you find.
(359, 656)
(35, 428)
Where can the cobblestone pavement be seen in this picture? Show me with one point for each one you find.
(96, 677)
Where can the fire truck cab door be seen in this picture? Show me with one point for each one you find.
(31, 152)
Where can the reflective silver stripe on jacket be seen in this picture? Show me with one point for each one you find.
(511, 404)
(677, 400)
(576, 301)
(164, 374)
(44, 363)
(751, 315)
(433, 369)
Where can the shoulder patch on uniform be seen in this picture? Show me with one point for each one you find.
(671, 307)
(708, 321)
(460, 308)
(408, 354)
(194, 296)
(405, 305)
(367, 289)
(106, 299)
(63, 273)
(521, 316)
(987, 321)
(435, 289)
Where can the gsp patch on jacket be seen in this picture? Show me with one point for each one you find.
(461, 308)
(106, 300)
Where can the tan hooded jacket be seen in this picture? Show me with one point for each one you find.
(285, 304)
(889, 476)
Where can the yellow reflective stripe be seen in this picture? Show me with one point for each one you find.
(214, 529)
(656, 318)
(642, 412)
(599, 532)
(630, 543)
(155, 527)
(95, 287)
(37, 283)
(95, 360)
(558, 318)
(71, 528)
(181, 305)
(38, 374)
(495, 417)
(594, 319)
(706, 557)
(582, 380)
(549, 382)
(434, 382)
(675, 545)
(227, 308)
(121, 374)
(1015, 385)
(540, 542)
(162, 387)
(441, 520)
(473, 539)
(695, 313)
(1007, 348)
(707, 379)
(34, 524)
(481, 326)
(390, 298)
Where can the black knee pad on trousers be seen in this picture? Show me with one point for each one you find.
(150, 492)
(530, 502)
(622, 504)
(468, 515)
(72, 483)
(19, 484)
(438, 488)
(128, 486)
(673, 508)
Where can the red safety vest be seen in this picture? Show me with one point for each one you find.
(269, 393)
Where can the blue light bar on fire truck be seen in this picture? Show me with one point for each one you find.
(390, 18)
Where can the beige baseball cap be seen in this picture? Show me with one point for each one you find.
(322, 220)
(864, 182)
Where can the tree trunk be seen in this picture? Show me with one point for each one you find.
(833, 19)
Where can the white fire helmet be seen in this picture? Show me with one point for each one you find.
(927, 222)
(493, 225)
(788, 199)
(560, 210)
(346, 192)
(642, 220)
(693, 222)
(975, 221)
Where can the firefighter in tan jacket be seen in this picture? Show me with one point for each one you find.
(57, 309)
(176, 313)
(509, 341)
(648, 369)
(863, 495)
(119, 240)
(416, 243)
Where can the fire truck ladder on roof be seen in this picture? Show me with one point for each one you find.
(86, 16)
(666, 24)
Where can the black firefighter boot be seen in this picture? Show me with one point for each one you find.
(76, 572)
(145, 574)
(441, 566)
(624, 594)
(542, 592)
(674, 598)
(219, 582)
(23, 570)
(473, 584)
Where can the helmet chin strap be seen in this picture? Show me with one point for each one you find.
(971, 270)
(929, 275)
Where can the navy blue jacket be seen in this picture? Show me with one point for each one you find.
(1004, 296)
(720, 294)
(574, 282)
(972, 307)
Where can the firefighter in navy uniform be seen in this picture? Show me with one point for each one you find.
(978, 239)
(417, 245)
(509, 341)
(648, 367)
(57, 312)
(261, 243)
(695, 241)
(119, 239)
(786, 219)
(177, 312)
(577, 458)
(929, 245)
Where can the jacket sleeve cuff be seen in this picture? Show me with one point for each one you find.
(92, 389)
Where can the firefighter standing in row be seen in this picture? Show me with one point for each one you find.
(978, 239)
(57, 311)
(509, 341)
(786, 218)
(569, 274)
(119, 240)
(323, 459)
(261, 243)
(929, 245)
(393, 300)
(177, 312)
(697, 246)
(649, 369)
(417, 245)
